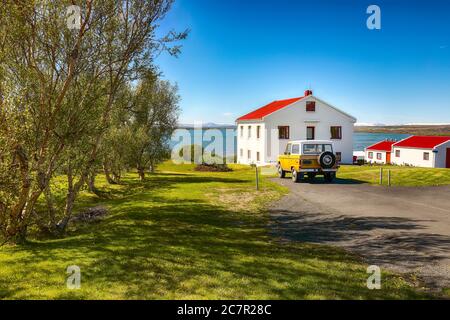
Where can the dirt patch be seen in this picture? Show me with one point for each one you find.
(238, 201)
(213, 168)
(91, 214)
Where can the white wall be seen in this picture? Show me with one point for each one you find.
(374, 158)
(298, 119)
(253, 143)
(412, 157)
(441, 155)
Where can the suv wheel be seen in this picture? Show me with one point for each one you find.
(329, 176)
(327, 160)
(295, 175)
(281, 172)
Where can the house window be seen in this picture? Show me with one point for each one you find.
(336, 132)
(397, 153)
(310, 133)
(338, 156)
(426, 156)
(249, 131)
(241, 152)
(242, 131)
(258, 132)
(310, 106)
(295, 149)
(249, 154)
(283, 132)
(370, 155)
(257, 156)
(378, 156)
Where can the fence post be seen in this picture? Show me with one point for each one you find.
(381, 176)
(389, 177)
(257, 177)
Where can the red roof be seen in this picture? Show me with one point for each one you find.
(424, 142)
(260, 113)
(382, 146)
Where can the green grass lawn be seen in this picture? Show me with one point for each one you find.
(187, 235)
(400, 176)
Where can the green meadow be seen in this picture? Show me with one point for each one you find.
(183, 234)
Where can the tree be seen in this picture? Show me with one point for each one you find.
(155, 116)
(58, 88)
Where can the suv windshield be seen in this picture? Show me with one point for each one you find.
(311, 148)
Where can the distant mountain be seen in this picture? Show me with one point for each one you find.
(207, 125)
(427, 124)
(415, 129)
(364, 124)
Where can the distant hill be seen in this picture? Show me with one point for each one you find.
(415, 129)
(207, 125)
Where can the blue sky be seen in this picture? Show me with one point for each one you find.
(243, 54)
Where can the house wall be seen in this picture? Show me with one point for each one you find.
(374, 159)
(412, 157)
(298, 119)
(253, 143)
(441, 155)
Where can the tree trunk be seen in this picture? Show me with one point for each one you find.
(91, 182)
(116, 177)
(152, 166)
(70, 200)
(108, 174)
(141, 173)
(72, 192)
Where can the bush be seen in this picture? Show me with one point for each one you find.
(214, 167)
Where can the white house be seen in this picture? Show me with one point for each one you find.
(264, 133)
(422, 151)
(379, 152)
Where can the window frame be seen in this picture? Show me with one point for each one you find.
(286, 133)
(339, 135)
(370, 154)
(317, 144)
(249, 154)
(292, 149)
(257, 156)
(313, 132)
(258, 132)
(397, 153)
(427, 157)
(310, 106)
(379, 156)
(249, 132)
(288, 149)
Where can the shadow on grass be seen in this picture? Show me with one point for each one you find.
(153, 247)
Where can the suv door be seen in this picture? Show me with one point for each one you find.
(285, 159)
(295, 156)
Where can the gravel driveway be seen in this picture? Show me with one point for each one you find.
(405, 229)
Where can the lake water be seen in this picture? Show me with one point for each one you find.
(361, 140)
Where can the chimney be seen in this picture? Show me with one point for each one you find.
(308, 93)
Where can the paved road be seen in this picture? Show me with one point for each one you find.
(402, 228)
